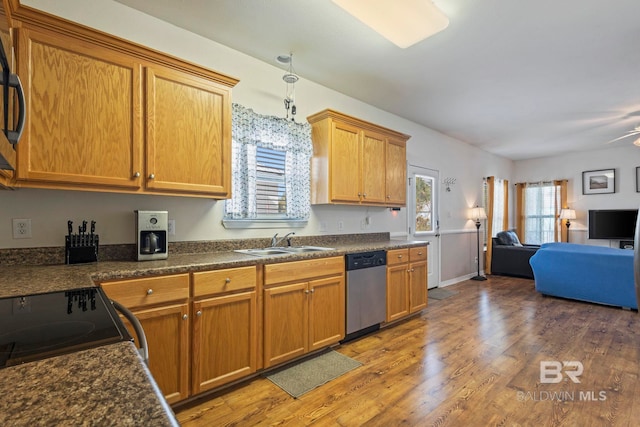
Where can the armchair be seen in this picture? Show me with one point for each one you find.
(510, 257)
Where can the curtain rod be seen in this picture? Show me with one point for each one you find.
(542, 182)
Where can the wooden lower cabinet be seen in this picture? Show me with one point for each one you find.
(224, 327)
(397, 292)
(161, 306)
(406, 282)
(167, 332)
(224, 340)
(305, 313)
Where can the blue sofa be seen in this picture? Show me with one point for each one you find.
(588, 273)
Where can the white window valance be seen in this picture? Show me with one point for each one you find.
(250, 131)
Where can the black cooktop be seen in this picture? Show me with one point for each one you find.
(35, 327)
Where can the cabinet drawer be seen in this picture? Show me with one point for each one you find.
(222, 281)
(301, 270)
(397, 256)
(148, 291)
(418, 254)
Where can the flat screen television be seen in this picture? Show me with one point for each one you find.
(612, 224)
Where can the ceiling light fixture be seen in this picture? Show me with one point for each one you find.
(290, 78)
(404, 23)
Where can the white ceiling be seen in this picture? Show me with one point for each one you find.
(518, 78)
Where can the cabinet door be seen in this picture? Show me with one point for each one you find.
(397, 292)
(84, 113)
(396, 170)
(418, 286)
(373, 168)
(167, 332)
(188, 134)
(224, 340)
(286, 323)
(345, 163)
(326, 312)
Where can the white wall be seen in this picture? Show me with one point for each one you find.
(624, 157)
(261, 88)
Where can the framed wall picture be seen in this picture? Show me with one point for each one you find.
(638, 179)
(599, 182)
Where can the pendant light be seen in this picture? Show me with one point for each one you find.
(290, 78)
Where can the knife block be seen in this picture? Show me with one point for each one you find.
(77, 253)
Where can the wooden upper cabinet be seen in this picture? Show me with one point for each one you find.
(84, 112)
(188, 134)
(356, 162)
(373, 167)
(106, 114)
(345, 167)
(396, 172)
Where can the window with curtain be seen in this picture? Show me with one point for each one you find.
(539, 206)
(270, 169)
(498, 211)
(496, 199)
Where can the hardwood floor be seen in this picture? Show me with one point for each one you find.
(472, 359)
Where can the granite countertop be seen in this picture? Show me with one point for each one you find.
(85, 388)
(110, 384)
(33, 279)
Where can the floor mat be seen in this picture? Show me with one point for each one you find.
(304, 376)
(440, 293)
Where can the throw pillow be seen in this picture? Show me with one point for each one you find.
(508, 238)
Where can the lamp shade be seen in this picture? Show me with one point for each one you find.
(567, 214)
(477, 213)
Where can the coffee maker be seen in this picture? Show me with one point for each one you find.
(151, 235)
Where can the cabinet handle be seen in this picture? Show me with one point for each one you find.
(313, 290)
(388, 197)
(185, 317)
(136, 175)
(364, 195)
(198, 313)
(152, 176)
(149, 291)
(399, 256)
(419, 253)
(227, 280)
(306, 291)
(359, 194)
(412, 270)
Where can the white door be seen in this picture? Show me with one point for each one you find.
(423, 216)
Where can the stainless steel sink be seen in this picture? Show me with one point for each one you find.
(281, 250)
(296, 249)
(263, 251)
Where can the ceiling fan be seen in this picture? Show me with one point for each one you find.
(635, 131)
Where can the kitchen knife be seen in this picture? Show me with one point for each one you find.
(70, 228)
(93, 230)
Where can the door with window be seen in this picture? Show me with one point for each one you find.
(423, 217)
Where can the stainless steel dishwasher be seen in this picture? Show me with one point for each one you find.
(366, 292)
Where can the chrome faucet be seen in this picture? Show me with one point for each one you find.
(276, 242)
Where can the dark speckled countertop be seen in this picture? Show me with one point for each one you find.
(32, 279)
(110, 384)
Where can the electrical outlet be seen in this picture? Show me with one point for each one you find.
(340, 225)
(171, 225)
(322, 227)
(476, 260)
(21, 228)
